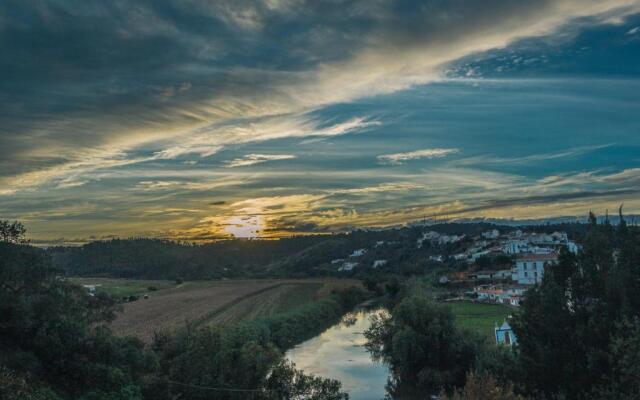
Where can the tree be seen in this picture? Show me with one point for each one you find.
(573, 324)
(12, 232)
(422, 345)
(482, 387)
(54, 332)
(287, 382)
(624, 357)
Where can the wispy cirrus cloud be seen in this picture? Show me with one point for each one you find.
(208, 140)
(251, 159)
(533, 158)
(399, 158)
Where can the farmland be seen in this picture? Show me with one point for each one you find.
(479, 317)
(207, 302)
(124, 287)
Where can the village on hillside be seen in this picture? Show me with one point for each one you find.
(523, 258)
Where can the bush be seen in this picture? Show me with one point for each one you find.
(482, 387)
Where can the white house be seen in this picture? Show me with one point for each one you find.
(515, 300)
(379, 263)
(492, 234)
(358, 253)
(348, 266)
(514, 246)
(530, 267)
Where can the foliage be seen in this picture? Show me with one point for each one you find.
(54, 344)
(54, 331)
(230, 362)
(422, 344)
(577, 331)
(286, 382)
(288, 257)
(624, 357)
(482, 387)
(479, 317)
(15, 387)
(12, 232)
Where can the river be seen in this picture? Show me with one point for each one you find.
(339, 353)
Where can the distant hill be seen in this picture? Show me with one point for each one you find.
(289, 257)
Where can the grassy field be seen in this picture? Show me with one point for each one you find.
(479, 317)
(207, 302)
(124, 287)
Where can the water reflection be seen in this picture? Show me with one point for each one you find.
(339, 353)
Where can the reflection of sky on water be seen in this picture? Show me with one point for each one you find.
(338, 353)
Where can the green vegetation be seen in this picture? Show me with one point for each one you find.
(578, 332)
(420, 341)
(53, 334)
(480, 318)
(295, 257)
(55, 344)
(280, 299)
(482, 387)
(584, 320)
(119, 288)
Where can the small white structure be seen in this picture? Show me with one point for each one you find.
(91, 289)
(348, 266)
(504, 335)
(358, 253)
(337, 261)
(435, 237)
(479, 254)
(443, 279)
(379, 263)
(437, 258)
(492, 234)
(530, 267)
(515, 300)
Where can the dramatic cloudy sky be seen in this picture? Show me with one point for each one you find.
(201, 119)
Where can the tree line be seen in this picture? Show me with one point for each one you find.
(303, 256)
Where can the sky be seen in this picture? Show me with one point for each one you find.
(202, 120)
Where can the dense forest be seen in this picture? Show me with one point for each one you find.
(289, 257)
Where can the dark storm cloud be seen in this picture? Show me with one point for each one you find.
(80, 75)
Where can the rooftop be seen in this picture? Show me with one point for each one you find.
(538, 257)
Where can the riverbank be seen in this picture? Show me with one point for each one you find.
(339, 353)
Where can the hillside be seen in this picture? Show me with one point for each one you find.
(306, 256)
